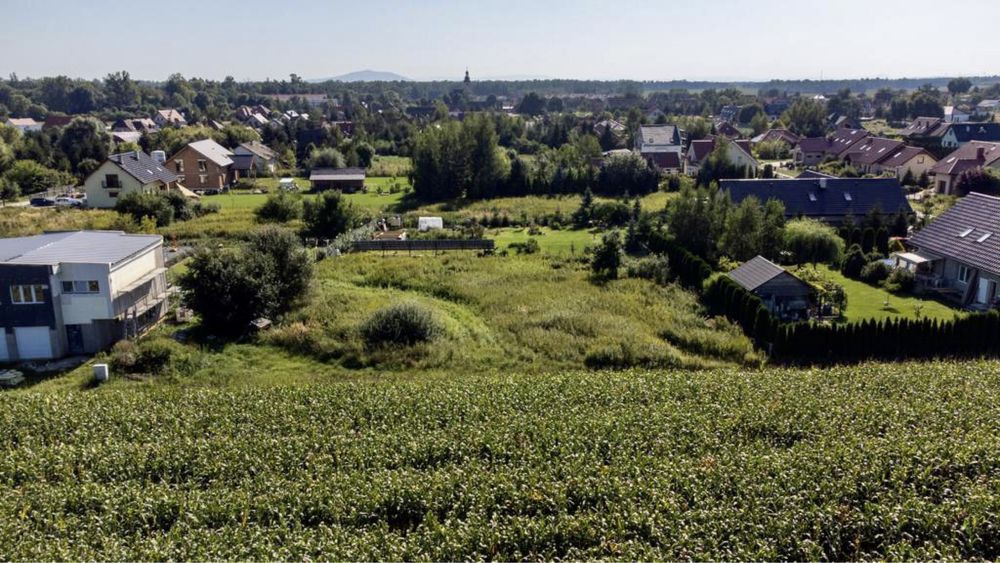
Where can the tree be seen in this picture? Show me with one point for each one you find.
(806, 117)
(741, 237)
(696, 219)
(83, 139)
(854, 262)
(325, 158)
(330, 215)
(812, 241)
(229, 287)
(121, 90)
(627, 174)
(31, 177)
(582, 216)
(959, 85)
(531, 104)
(607, 257)
(366, 153)
(759, 123)
(8, 191)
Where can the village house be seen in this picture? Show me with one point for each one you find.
(169, 117)
(988, 107)
(844, 140)
(826, 199)
(785, 296)
(203, 165)
(727, 130)
(658, 138)
(738, 153)
(23, 124)
(347, 180)
(925, 128)
(125, 173)
(266, 160)
(957, 255)
(73, 293)
(970, 156)
(810, 151)
(867, 155)
(776, 135)
(134, 124)
(915, 161)
(954, 115)
(959, 134)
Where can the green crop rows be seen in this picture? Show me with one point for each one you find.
(869, 461)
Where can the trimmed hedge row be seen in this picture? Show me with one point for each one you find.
(690, 269)
(725, 297)
(977, 335)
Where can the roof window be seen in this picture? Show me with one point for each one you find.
(984, 237)
(965, 233)
(847, 196)
(812, 196)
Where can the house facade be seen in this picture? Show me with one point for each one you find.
(785, 296)
(203, 165)
(266, 160)
(738, 153)
(959, 134)
(970, 156)
(78, 292)
(913, 161)
(810, 151)
(126, 173)
(957, 255)
(169, 117)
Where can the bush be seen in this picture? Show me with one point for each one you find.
(854, 262)
(279, 208)
(811, 241)
(529, 246)
(155, 356)
(875, 272)
(330, 215)
(607, 256)
(630, 354)
(655, 268)
(404, 324)
(900, 281)
(141, 205)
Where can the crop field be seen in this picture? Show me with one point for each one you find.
(867, 462)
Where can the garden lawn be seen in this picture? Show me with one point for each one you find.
(566, 242)
(868, 302)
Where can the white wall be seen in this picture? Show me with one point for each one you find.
(99, 197)
(82, 308)
(136, 269)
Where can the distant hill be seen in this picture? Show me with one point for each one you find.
(366, 76)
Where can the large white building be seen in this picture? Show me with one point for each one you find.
(77, 292)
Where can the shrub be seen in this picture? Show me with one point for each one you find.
(529, 246)
(330, 215)
(854, 262)
(655, 268)
(900, 281)
(630, 354)
(812, 241)
(607, 256)
(404, 324)
(156, 356)
(875, 272)
(279, 208)
(141, 205)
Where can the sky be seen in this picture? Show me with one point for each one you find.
(439, 39)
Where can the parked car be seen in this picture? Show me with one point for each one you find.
(65, 201)
(41, 202)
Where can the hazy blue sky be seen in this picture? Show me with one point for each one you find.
(638, 39)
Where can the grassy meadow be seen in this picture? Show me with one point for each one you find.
(853, 463)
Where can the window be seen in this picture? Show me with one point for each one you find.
(202, 166)
(87, 286)
(112, 195)
(984, 237)
(203, 178)
(180, 179)
(111, 181)
(965, 233)
(920, 159)
(964, 273)
(27, 294)
(848, 197)
(812, 196)
(179, 165)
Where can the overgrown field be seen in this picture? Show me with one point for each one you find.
(519, 313)
(866, 462)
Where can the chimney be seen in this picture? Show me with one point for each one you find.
(980, 154)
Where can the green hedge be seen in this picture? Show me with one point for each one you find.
(690, 269)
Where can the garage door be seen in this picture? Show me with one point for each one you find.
(4, 356)
(33, 342)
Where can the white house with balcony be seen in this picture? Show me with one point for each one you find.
(125, 173)
(77, 292)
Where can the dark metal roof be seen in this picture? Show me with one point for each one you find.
(823, 197)
(142, 167)
(756, 272)
(943, 236)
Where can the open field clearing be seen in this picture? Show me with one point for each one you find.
(867, 462)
